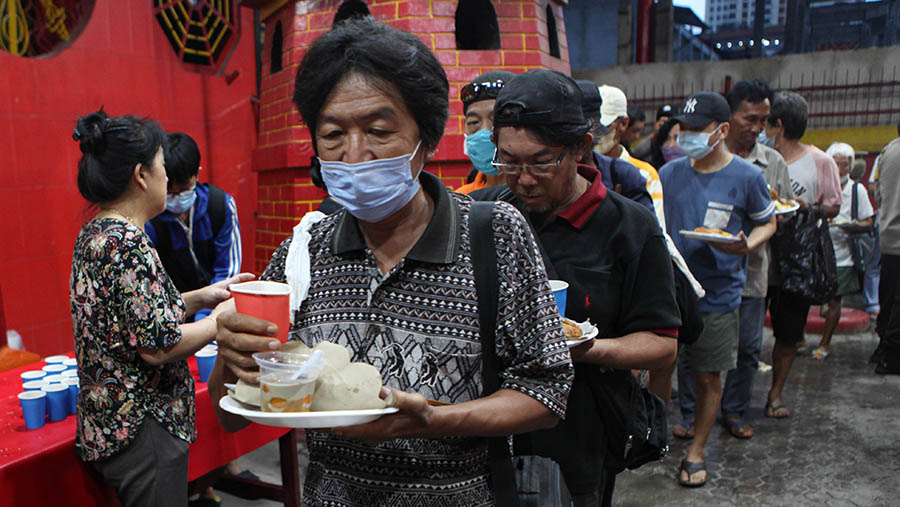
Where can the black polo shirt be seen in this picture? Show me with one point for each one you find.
(612, 253)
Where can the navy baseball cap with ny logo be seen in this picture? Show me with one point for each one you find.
(703, 108)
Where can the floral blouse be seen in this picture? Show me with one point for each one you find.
(122, 299)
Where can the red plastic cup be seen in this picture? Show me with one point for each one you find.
(267, 301)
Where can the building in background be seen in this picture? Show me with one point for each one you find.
(730, 14)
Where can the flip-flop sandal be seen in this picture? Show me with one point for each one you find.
(691, 468)
(771, 411)
(737, 428)
(683, 430)
(820, 353)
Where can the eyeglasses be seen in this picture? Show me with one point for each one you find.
(471, 91)
(533, 169)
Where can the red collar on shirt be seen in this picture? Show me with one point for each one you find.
(579, 211)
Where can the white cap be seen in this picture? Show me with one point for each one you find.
(614, 106)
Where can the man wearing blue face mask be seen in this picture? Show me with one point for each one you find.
(478, 98)
(713, 189)
(198, 238)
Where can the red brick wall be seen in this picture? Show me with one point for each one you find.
(285, 192)
(123, 62)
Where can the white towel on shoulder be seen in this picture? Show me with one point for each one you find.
(296, 266)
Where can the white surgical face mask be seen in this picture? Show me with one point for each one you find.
(181, 202)
(372, 190)
(696, 144)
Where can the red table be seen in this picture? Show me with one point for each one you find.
(41, 467)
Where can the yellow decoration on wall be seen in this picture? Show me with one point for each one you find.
(14, 30)
(56, 19)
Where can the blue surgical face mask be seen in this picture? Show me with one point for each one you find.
(765, 140)
(696, 144)
(181, 202)
(373, 190)
(480, 150)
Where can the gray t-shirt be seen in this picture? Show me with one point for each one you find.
(759, 271)
(887, 194)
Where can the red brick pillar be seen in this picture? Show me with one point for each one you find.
(284, 146)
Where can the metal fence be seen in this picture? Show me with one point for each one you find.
(837, 98)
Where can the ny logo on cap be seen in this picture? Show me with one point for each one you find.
(690, 105)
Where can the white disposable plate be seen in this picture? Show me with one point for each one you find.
(792, 209)
(588, 332)
(709, 237)
(329, 419)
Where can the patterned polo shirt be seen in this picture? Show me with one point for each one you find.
(418, 324)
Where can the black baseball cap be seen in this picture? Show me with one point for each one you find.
(703, 108)
(484, 87)
(590, 104)
(539, 97)
(664, 111)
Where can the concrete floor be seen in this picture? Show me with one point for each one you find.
(840, 447)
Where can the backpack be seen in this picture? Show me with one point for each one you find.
(861, 243)
(635, 421)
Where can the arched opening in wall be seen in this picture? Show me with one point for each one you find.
(34, 28)
(275, 63)
(350, 9)
(476, 25)
(551, 32)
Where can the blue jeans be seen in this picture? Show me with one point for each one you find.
(739, 381)
(872, 276)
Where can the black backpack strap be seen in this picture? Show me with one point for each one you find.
(484, 263)
(216, 208)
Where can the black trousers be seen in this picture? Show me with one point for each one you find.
(888, 324)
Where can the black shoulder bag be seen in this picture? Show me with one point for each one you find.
(861, 243)
(484, 263)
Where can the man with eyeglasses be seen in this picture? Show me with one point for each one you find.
(608, 248)
(198, 238)
(478, 99)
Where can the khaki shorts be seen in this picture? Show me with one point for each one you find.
(716, 348)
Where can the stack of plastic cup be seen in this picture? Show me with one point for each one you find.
(34, 408)
(53, 379)
(72, 385)
(69, 374)
(71, 363)
(28, 376)
(57, 401)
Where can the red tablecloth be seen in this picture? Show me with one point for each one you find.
(40, 467)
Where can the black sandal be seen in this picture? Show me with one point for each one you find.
(691, 468)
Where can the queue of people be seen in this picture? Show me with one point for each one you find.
(570, 202)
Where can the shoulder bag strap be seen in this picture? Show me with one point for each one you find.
(484, 263)
(854, 207)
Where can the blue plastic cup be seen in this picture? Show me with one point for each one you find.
(71, 363)
(33, 385)
(72, 385)
(69, 374)
(34, 408)
(206, 358)
(55, 359)
(53, 379)
(54, 369)
(28, 376)
(57, 401)
(559, 289)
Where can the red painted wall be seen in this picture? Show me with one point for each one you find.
(123, 62)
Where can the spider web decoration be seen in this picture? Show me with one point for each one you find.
(202, 32)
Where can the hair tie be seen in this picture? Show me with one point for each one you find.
(76, 135)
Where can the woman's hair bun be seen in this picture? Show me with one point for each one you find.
(89, 132)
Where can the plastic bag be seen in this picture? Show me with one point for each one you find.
(804, 256)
